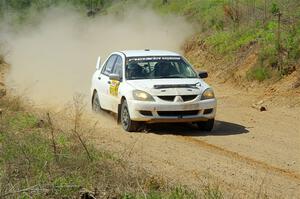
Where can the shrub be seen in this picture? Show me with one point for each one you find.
(292, 43)
(259, 73)
(267, 56)
(228, 42)
(1, 59)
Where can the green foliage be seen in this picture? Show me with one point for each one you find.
(275, 9)
(225, 37)
(212, 192)
(22, 121)
(27, 158)
(18, 5)
(227, 42)
(292, 43)
(21, 11)
(174, 193)
(268, 56)
(208, 13)
(182, 193)
(259, 73)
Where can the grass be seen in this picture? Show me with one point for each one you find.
(41, 159)
(176, 193)
(259, 73)
(28, 159)
(228, 42)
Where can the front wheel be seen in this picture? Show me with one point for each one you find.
(206, 125)
(127, 123)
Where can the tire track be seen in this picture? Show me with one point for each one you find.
(234, 155)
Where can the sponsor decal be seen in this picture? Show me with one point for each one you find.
(114, 87)
(157, 58)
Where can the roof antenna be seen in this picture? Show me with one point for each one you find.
(147, 49)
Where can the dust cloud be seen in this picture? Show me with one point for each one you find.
(52, 60)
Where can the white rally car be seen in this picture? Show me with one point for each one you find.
(151, 86)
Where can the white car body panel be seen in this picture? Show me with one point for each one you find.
(125, 90)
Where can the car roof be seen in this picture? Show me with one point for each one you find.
(144, 53)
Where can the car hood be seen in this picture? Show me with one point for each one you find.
(177, 86)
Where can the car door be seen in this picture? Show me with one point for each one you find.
(114, 84)
(104, 83)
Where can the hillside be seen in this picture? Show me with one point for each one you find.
(229, 30)
(253, 45)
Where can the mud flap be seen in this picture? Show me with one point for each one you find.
(119, 113)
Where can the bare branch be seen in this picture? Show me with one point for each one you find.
(52, 137)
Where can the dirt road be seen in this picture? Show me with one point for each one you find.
(249, 153)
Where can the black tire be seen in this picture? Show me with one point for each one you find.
(96, 107)
(206, 125)
(127, 123)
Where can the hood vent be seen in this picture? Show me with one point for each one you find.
(176, 86)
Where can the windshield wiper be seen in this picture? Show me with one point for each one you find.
(134, 78)
(172, 76)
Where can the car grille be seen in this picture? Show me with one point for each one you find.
(171, 98)
(177, 113)
(188, 97)
(167, 98)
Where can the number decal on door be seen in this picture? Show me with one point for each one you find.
(114, 87)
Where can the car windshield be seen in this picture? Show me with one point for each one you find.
(158, 67)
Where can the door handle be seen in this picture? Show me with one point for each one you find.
(99, 78)
(109, 82)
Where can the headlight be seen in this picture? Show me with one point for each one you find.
(142, 96)
(208, 94)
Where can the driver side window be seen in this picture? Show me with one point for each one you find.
(108, 68)
(118, 68)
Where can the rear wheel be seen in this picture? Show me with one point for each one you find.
(127, 123)
(96, 107)
(206, 125)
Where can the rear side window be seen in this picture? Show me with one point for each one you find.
(108, 68)
(118, 66)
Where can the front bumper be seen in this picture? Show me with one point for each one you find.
(169, 112)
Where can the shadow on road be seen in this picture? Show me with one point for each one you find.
(221, 128)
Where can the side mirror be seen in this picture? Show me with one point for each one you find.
(98, 64)
(115, 77)
(203, 74)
